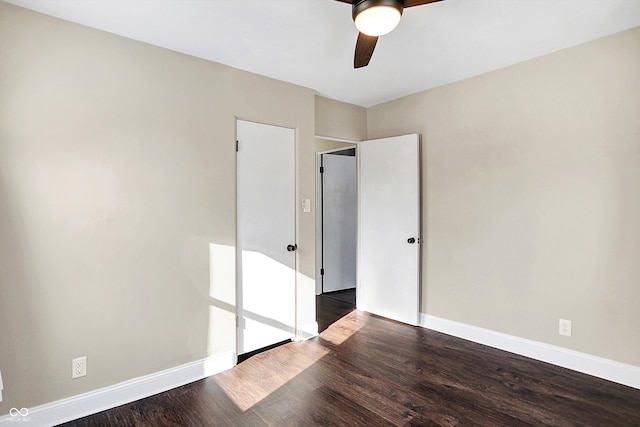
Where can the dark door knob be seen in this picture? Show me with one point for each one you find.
(411, 240)
(292, 248)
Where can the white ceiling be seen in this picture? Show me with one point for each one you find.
(311, 42)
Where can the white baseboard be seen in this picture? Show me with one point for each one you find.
(611, 370)
(129, 391)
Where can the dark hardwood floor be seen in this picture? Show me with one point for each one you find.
(368, 371)
(333, 306)
(347, 295)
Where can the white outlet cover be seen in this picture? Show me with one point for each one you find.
(79, 367)
(564, 327)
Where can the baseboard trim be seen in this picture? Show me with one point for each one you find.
(607, 369)
(95, 401)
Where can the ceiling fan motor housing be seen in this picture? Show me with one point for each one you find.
(366, 4)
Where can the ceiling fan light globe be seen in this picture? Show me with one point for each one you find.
(377, 20)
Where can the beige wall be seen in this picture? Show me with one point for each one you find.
(531, 207)
(338, 119)
(117, 198)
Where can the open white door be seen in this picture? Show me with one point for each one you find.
(389, 227)
(266, 235)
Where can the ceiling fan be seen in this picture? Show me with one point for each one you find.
(375, 18)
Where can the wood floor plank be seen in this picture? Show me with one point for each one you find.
(329, 310)
(364, 370)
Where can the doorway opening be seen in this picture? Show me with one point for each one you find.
(387, 228)
(336, 229)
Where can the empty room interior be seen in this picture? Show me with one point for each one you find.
(174, 236)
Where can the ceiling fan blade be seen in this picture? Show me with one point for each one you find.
(411, 3)
(364, 49)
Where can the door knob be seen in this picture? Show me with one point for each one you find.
(411, 240)
(292, 248)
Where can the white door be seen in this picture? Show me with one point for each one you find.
(389, 228)
(265, 235)
(339, 222)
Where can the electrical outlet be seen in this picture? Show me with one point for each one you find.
(79, 367)
(564, 327)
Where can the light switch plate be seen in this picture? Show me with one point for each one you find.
(306, 205)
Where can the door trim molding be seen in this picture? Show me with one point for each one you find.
(333, 138)
(307, 331)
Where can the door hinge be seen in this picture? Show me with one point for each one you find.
(237, 146)
(321, 169)
(322, 271)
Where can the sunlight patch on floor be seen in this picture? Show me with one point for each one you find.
(260, 376)
(343, 329)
